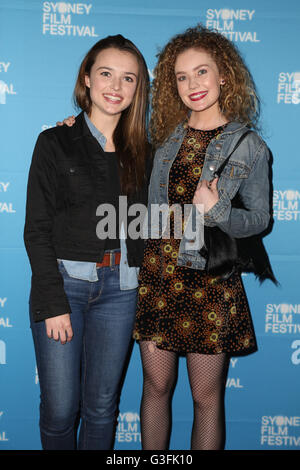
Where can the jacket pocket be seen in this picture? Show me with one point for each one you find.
(78, 183)
(232, 177)
(235, 170)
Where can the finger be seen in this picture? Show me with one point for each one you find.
(69, 121)
(63, 336)
(213, 185)
(69, 333)
(55, 335)
(59, 123)
(49, 332)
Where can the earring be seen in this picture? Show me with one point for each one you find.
(222, 82)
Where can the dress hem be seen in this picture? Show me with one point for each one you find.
(243, 352)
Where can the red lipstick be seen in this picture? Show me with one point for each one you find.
(198, 96)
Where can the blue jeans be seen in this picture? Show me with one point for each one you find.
(82, 377)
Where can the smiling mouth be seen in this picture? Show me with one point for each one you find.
(198, 96)
(113, 98)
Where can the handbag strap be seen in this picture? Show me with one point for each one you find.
(218, 172)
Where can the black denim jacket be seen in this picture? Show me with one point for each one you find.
(65, 187)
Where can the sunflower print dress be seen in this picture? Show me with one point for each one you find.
(183, 309)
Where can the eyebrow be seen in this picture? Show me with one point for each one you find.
(110, 68)
(195, 68)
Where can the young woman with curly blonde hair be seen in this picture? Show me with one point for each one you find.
(204, 101)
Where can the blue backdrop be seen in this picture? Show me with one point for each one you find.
(42, 45)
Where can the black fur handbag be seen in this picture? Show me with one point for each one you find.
(225, 255)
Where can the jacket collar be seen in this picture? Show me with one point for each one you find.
(82, 138)
(233, 127)
(101, 139)
(230, 128)
(83, 127)
(80, 128)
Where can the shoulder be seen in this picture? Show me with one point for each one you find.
(255, 138)
(257, 146)
(50, 143)
(250, 145)
(251, 135)
(57, 141)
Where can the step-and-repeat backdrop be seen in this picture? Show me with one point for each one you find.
(42, 45)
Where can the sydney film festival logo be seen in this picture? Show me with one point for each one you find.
(3, 436)
(286, 204)
(6, 88)
(288, 89)
(67, 19)
(2, 352)
(128, 429)
(6, 207)
(282, 319)
(233, 24)
(280, 431)
(4, 323)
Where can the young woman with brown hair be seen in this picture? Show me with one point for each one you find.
(84, 284)
(204, 100)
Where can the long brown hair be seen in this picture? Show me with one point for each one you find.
(238, 98)
(130, 135)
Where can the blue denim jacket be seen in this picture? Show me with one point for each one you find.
(246, 173)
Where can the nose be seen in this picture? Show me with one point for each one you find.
(193, 82)
(116, 83)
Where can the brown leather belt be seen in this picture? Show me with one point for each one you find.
(110, 258)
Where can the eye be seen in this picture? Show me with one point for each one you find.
(128, 79)
(105, 73)
(202, 71)
(181, 78)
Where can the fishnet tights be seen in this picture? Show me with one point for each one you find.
(207, 375)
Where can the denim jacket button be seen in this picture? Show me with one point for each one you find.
(218, 146)
(212, 168)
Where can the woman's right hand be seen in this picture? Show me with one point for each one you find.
(69, 121)
(206, 194)
(59, 328)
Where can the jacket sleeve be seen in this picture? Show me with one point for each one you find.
(254, 194)
(48, 298)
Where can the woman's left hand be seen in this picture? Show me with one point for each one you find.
(70, 120)
(206, 194)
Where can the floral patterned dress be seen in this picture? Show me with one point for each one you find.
(183, 309)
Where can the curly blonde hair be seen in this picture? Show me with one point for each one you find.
(238, 98)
